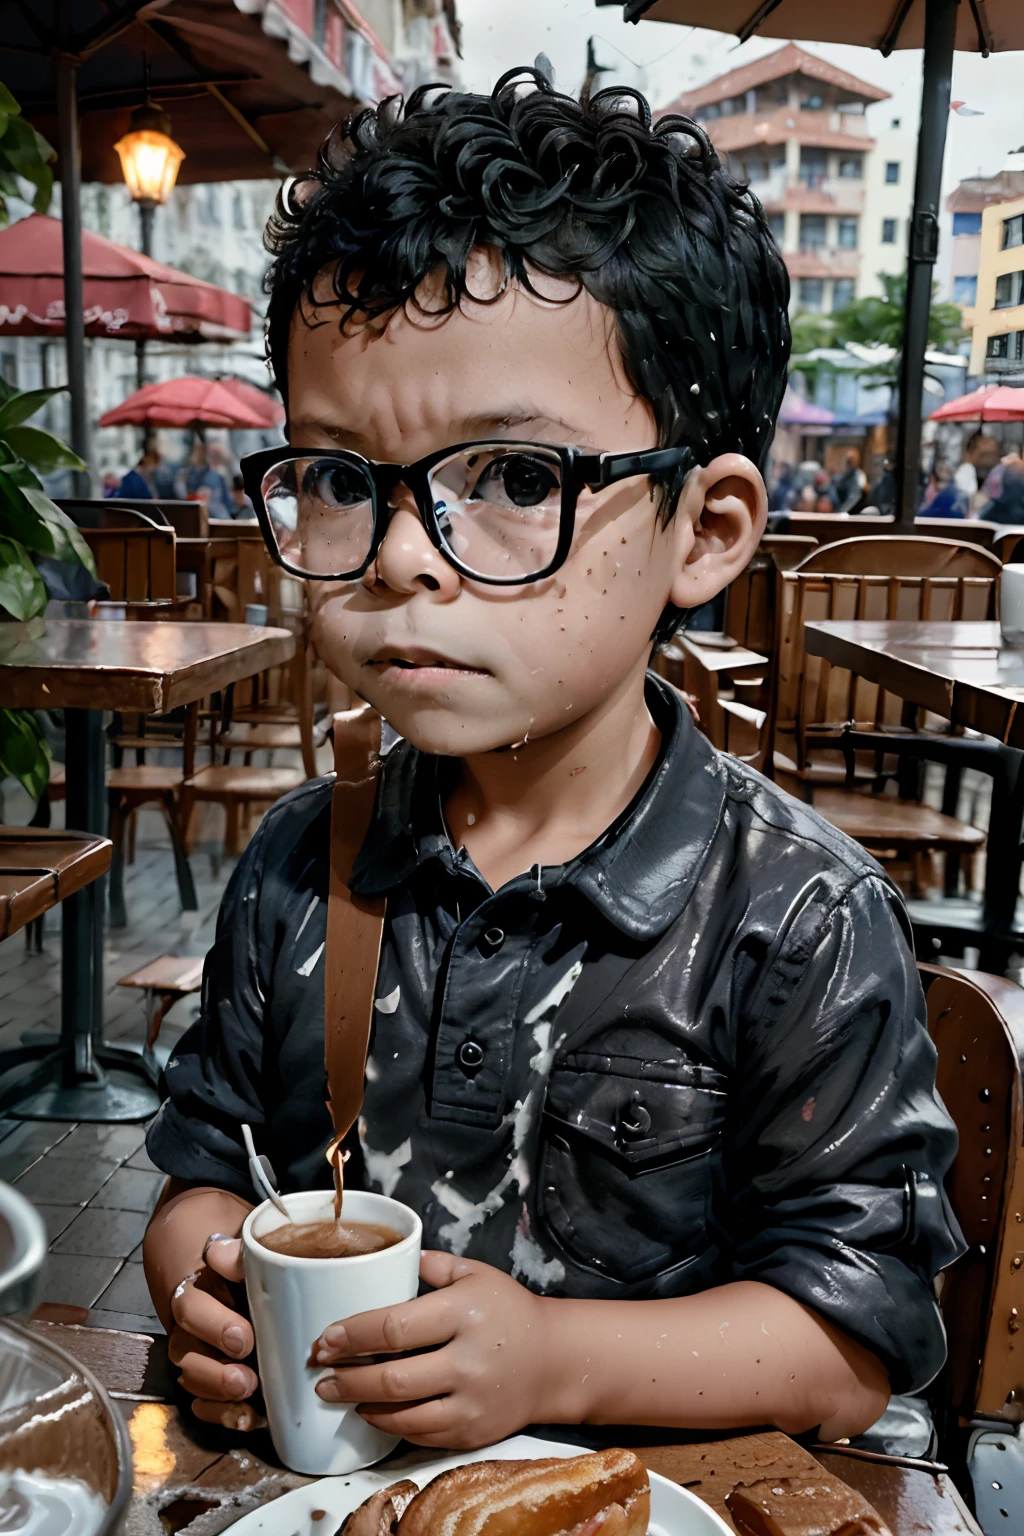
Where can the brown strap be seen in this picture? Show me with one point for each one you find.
(354, 924)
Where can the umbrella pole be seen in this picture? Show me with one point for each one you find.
(71, 229)
(922, 248)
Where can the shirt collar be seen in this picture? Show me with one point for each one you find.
(639, 874)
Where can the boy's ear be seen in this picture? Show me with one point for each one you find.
(724, 508)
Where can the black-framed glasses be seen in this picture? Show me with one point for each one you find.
(500, 512)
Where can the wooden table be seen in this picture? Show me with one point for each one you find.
(85, 667)
(968, 674)
(186, 1471)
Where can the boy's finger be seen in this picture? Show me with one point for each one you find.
(439, 1269)
(402, 1381)
(206, 1377)
(240, 1416)
(410, 1325)
(413, 1421)
(224, 1256)
(210, 1320)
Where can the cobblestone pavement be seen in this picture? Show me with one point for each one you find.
(94, 1184)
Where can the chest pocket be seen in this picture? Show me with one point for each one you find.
(626, 1159)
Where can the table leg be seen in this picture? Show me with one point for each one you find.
(76, 1085)
(1002, 865)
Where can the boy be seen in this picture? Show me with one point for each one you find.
(648, 1053)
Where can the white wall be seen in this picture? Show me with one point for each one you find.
(886, 201)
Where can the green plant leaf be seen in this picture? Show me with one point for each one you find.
(26, 403)
(21, 521)
(41, 449)
(18, 472)
(24, 750)
(21, 588)
(8, 103)
(64, 531)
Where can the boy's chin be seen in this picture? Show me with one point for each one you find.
(444, 733)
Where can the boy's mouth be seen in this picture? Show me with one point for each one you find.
(412, 661)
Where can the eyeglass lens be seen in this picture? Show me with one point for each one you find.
(497, 505)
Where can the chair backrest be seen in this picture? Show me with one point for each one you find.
(903, 555)
(92, 512)
(117, 516)
(1005, 543)
(189, 519)
(969, 530)
(787, 549)
(827, 529)
(750, 604)
(811, 692)
(138, 564)
(977, 1024)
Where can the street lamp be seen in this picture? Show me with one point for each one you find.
(149, 163)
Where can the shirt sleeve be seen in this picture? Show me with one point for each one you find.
(837, 1142)
(213, 1074)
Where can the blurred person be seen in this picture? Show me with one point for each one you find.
(850, 484)
(111, 482)
(137, 484)
(883, 493)
(784, 494)
(1008, 506)
(980, 457)
(823, 489)
(824, 505)
(807, 501)
(200, 476)
(240, 506)
(946, 499)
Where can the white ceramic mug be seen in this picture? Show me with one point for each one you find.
(292, 1301)
(1011, 602)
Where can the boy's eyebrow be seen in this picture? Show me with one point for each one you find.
(482, 425)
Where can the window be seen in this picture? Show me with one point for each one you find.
(813, 231)
(895, 123)
(756, 170)
(888, 231)
(812, 294)
(851, 167)
(1013, 231)
(997, 346)
(850, 108)
(812, 103)
(967, 223)
(9, 369)
(847, 234)
(892, 171)
(842, 293)
(813, 166)
(777, 225)
(1009, 290)
(965, 290)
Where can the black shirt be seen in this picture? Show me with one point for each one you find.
(695, 1053)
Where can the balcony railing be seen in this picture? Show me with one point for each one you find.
(811, 194)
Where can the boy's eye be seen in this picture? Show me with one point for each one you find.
(516, 480)
(335, 484)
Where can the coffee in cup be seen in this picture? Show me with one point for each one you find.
(294, 1295)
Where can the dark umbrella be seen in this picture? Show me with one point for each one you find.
(982, 26)
(244, 101)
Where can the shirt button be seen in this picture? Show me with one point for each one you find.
(492, 939)
(470, 1056)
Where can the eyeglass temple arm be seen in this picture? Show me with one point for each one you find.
(599, 470)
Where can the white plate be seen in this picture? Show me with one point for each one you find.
(674, 1510)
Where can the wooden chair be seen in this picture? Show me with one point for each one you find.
(131, 786)
(787, 549)
(1005, 543)
(40, 867)
(730, 676)
(977, 1024)
(101, 512)
(137, 564)
(830, 529)
(164, 980)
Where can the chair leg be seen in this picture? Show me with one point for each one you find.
(129, 837)
(231, 809)
(118, 917)
(182, 868)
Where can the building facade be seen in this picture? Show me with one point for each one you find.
(214, 230)
(836, 186)
(996, 319)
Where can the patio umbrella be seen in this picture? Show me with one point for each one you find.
(124, 294)
(996, 402)
(253, 87)
(798, 412)
(939, 26)
(191, 401)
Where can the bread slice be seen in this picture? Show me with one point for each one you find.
(380, 1513)
(803, 1506)
(606, 1493)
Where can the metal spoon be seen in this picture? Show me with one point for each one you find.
(263, 1176)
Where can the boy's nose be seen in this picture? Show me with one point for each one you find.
(406, 560)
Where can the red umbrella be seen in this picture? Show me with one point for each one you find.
(995, 402)
(189, 400)
(126, 294)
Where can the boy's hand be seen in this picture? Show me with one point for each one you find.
(210, 1340)
(481, 1361)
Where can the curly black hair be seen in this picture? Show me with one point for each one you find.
(643, 214)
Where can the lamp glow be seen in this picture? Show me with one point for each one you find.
(149, 156)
